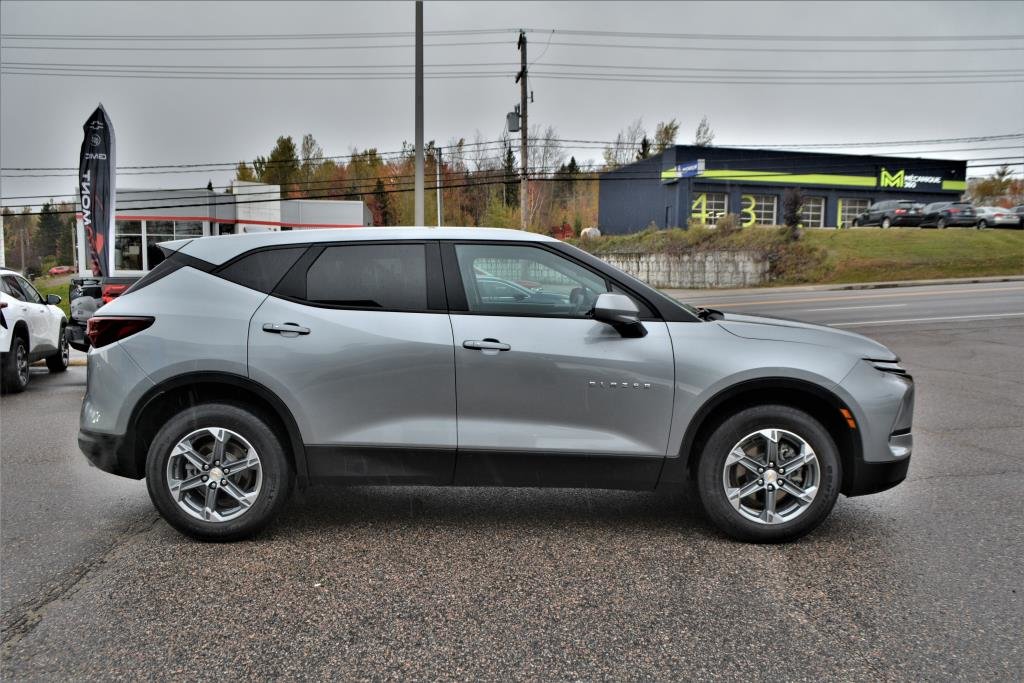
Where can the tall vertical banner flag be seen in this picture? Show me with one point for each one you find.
(96, 174)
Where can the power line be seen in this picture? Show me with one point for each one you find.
(817, 50)
(781, 38)
(202, 68)
(576, 143)
(361, 35)
(261, 48)
(498, 176)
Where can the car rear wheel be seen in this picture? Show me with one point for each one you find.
(15, 372)
(217, 472)
(886, 223)
(941, 224)
(768, 474)
(58, 362)
(982, 224)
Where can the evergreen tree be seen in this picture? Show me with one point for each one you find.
(51, 224)
(511, 173)
(384, 214)
(645, 149)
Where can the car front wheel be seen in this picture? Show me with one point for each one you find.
(768, 474)
(15, 371)
(217, 472)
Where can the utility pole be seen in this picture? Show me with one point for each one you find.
(523, 130)
(418, 187)
(437, 175)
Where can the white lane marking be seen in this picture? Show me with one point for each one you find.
(851, 297)
(851, 308)
(954, 318)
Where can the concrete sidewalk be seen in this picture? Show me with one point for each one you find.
(684, 293)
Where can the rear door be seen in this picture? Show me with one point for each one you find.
(42, 330)
(356, 341)
(547, 395)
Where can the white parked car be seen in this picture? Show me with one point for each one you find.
(31, 329)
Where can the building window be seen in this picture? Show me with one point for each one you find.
(127, 245)
(165, 231)
(758, 209)
(812, 213)
(225, 229)
(708, 207)
(849, 209)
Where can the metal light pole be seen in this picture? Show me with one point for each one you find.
(418, 193)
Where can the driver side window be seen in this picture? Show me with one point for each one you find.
(506, 279)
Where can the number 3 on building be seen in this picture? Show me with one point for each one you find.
(747, 212)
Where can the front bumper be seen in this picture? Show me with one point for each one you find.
(108, 453)
(872, 477)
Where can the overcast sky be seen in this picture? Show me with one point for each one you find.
(187, 120)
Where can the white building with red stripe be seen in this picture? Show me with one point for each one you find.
(144, 218)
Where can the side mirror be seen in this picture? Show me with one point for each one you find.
(619, 311)
(53, 299)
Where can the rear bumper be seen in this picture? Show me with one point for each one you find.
(108, 453)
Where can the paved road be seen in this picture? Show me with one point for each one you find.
(923, 581)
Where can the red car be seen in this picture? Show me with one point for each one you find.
(61, 270)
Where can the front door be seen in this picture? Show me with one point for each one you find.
(546, 395)
(356, 342)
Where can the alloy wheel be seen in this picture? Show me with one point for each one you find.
(771, 476)
(21, 362)
(65, 351)
(214, 474)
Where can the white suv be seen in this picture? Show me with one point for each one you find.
(31, 328)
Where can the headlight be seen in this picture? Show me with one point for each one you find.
(891, 367)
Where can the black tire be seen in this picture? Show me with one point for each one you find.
(886, 223)
(981, 225)
(941, 224)
(729, 433)
(15, 373)
(277, 471)
(58, 362)
(856, 223)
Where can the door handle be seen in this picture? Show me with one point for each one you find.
(485, 345)
(285, 328)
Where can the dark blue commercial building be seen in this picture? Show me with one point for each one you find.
(687, 183)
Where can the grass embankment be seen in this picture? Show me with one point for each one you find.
(844, 256)
(875, 255)
(55, 285)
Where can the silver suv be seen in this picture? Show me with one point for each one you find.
(243, 365)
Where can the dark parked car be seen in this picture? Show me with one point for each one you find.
(889, 213)
(949, 214)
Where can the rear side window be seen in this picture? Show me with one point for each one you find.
(261, 270)
(11, 287)
(381, 276)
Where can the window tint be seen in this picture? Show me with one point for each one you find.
(514, 280)
(31, 295)
(261, 270)
(12, 288)
(384, 276)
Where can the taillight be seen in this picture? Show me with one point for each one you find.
(103, 330)
(111, 292)
(900, 212)
(953, 210)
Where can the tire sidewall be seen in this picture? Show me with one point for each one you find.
(12, 383)
(57, 362)
(886, 223)
(728, 434)
(278, 476)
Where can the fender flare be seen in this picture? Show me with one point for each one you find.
(228, 379)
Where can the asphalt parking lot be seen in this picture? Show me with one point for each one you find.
(923, 581)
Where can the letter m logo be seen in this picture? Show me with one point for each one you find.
(892, 179)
